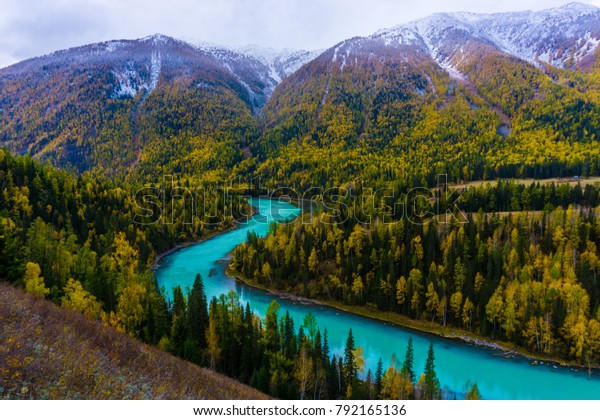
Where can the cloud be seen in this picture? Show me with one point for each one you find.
(33, 27)
(30, 28)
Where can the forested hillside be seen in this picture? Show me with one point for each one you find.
(522, 268)
(389, 114)
(140, 104)
(451, 93)
(79, 232)
(71, 240)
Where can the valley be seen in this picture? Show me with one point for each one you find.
(118, 154)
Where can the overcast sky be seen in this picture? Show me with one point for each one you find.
(34, 27)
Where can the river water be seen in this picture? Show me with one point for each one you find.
(456, 363)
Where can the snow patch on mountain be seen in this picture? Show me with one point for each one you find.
(112, 46)
(130, 81)
(281, 63)
(560, 36)
(336, 52)
(399, 35)
(278, 64)
(154, 71)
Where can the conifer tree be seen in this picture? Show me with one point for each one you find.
(431, 389)
(350, 368)
(378, 377)
(409, 358)
(197, 313)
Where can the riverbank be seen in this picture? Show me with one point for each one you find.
(504, 349)
(156, 264)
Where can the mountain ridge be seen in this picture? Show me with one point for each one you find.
(135, 105)
(528, 35)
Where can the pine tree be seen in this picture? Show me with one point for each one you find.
(11, 264)
(350, 369)
(179, 335)
(249, 345)
(409, 358)
(178, 302)
(325, 355)
(431, 389)
(288, 337)
(369, 385)
(271, 331)
(197, 313)
(335, 380)
(378, 377)
(318, 346)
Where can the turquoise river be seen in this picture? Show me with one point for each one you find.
(456, 362)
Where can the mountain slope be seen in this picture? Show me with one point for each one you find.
(47, 352)
(565, 36)
(99, 106)
(471, 95)
(442, 95)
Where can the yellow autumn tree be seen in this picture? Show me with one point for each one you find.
(77, 299)
(124, 260)
(34, 283)
(130, 309)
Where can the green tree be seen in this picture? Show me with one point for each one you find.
(378, 377)
(432, 389)
(271, 327)
(11, 268)
(197, 313)
(350, 368)
(409, 359)
(310, 325)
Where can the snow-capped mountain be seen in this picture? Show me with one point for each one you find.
(499, 59)
(119, 101)
(565, 36)
(270, 65)
(139, 65)
(281, 63)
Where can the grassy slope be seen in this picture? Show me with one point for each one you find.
(48, 352)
